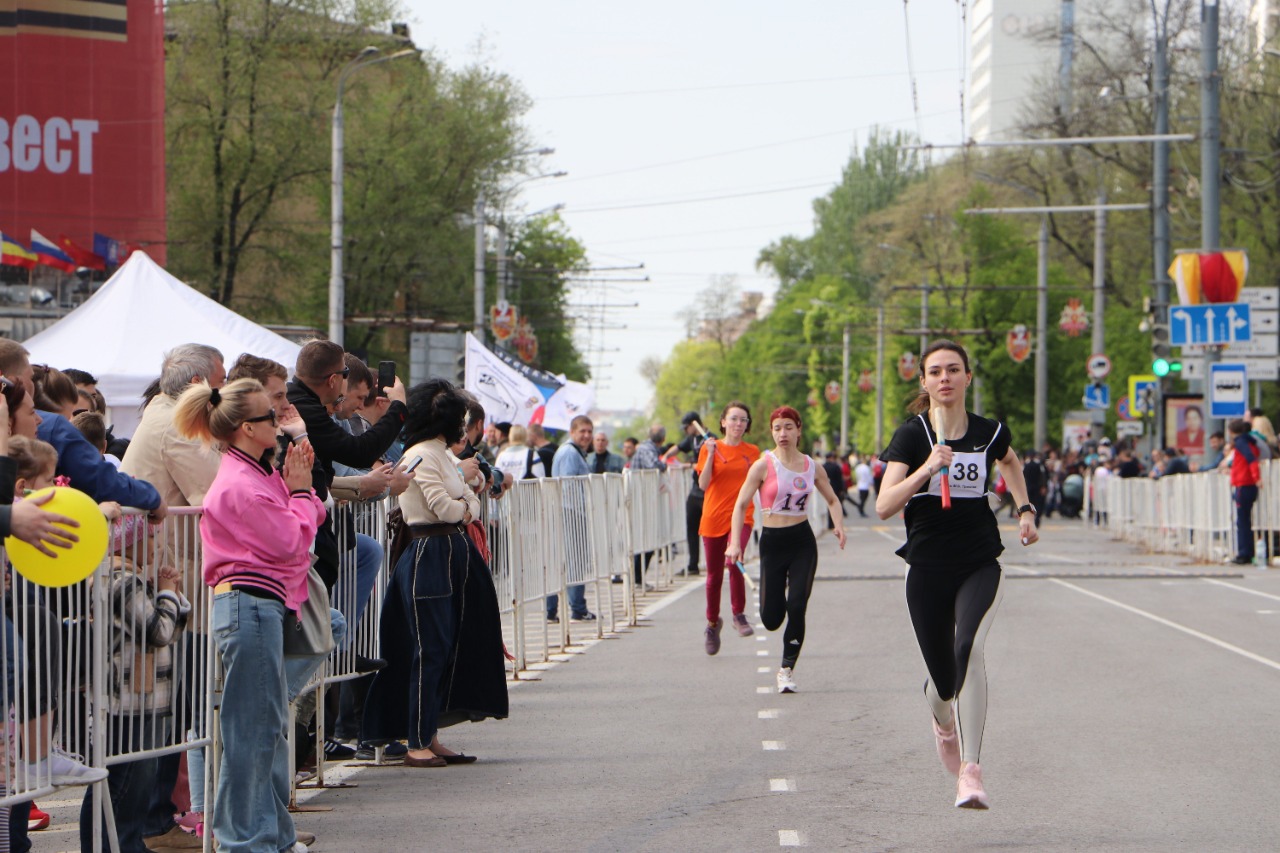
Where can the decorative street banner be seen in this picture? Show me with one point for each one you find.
(502, 320)
(1018, 343)
(1209, 276)
(1074, 318)
(82, 121)
(519, 394)
(866, 381)
(907, 366)
(832, 392)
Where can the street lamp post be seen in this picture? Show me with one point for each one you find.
(337, 286)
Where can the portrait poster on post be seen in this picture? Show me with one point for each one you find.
(1184, 423)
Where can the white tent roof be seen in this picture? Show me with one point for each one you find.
(121, 333)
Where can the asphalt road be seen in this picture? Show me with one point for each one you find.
(1132, 707)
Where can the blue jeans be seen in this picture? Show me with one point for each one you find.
(251, 810)
(130, 785)
(1245, 497)
(368, 556)
(577, 601)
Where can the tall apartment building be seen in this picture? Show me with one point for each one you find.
(1011, 44)
(1264, 24)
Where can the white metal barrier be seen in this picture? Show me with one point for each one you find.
(1191, 514)
(103, 656)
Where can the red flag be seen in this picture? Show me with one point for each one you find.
(82, 256)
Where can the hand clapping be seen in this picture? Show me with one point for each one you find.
(297, 467)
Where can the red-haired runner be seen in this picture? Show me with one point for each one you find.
(786, 479)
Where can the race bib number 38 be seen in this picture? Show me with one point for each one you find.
(968, 474)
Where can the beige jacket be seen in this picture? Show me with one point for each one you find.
(437, 494)
(180, 468)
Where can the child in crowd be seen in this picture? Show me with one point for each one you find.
(34, 464)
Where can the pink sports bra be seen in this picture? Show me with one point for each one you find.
(786, 492)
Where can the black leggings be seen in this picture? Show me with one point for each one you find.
(952, 610)
(788, 562)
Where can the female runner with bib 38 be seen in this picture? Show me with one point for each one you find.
(953, 573)
(786, 480)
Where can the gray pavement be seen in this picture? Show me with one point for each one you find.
(1132, 707)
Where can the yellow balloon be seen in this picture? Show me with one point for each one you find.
(71, 565)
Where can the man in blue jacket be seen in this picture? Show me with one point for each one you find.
(79, 460)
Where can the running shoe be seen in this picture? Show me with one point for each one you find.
(713, 637)
(63, 768)
(37, 819)
(337, 751)
(969, 791)
(786, 684)
(744, 627)
(948, 746)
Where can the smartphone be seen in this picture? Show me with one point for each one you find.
(413, 463)
(386, 376)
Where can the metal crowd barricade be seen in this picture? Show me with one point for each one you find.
(1190, 514)
(83, 661)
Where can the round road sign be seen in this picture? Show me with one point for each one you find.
(1099, 366)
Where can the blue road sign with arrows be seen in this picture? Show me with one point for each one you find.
(1212, 324)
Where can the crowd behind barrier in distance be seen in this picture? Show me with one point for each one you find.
(1190, 514)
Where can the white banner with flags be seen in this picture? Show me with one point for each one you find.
(520, 395)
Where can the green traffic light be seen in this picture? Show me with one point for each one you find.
(1175, 367)
(1160, 367)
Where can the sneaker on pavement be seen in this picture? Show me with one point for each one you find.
(37, 819)
(786, 684)
(63, 768)
(712, 640)
(190, 821)
(336, 751)
(307, 838)
(948, 746)
(588, 616)
(395, 749)
(616, 579)
(175, 839)
(969, 791)
(744, 627)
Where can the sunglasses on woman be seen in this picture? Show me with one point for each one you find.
(269, 416)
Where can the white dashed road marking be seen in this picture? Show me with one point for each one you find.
(768, 714)
(773, 745)
(782, 786)
(789, 838)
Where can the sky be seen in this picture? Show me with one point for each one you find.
(694, 134)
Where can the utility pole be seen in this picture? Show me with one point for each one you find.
(1066, 47)
(1210, 138)
(924, 315)
(1099, 293)
(1160, 194)
(879, 378)
(1042, 335)
(844, 395)
(478, 324)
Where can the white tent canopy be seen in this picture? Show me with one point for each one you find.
(121, 333)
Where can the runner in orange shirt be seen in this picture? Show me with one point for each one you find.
(722, 468)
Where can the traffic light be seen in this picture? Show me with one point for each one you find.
(1162, 361)
(460, 370)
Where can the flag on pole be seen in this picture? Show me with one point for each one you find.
(82, 256)
(48, 253)
(14, 253)
(108, 249)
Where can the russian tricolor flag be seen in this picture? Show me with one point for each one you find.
(14, 253)
(48, 253)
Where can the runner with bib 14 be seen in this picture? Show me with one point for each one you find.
(786, 480)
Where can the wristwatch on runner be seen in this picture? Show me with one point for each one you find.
(1026, 508)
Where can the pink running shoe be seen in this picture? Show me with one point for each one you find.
(744, 627)
(948, 747)
(969, 791)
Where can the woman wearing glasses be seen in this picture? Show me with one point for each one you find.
(722, 467)
(257, 526)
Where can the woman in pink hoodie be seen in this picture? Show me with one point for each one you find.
(257, 527)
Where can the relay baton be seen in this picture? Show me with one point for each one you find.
(935, 415)
(751, 585)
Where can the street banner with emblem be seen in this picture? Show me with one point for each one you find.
(1074, 319)
(907, 366)
(1018, 343)
(502, 320)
